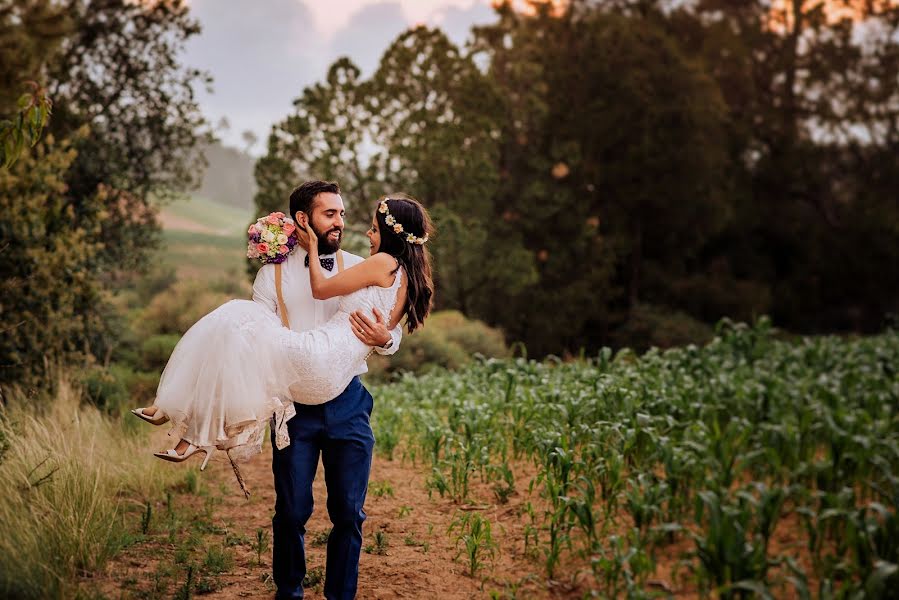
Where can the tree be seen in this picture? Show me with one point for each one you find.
(813, 107)
(118, 73)
(425, 124)
(327, 137)
(594, 164)
(437, 119)
(48, 287)
(28, 43)
(611, 164)
(25, 129)
(123, 134)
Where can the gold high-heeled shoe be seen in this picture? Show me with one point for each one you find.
(173, 456)
(158, 419)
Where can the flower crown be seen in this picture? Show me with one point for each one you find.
(397, 227)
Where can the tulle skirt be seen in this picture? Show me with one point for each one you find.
(226, 378)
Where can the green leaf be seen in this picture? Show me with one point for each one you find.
(876, 585)
(25, 101)
(756, 587)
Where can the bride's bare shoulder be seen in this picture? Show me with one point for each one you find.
(384, 266)
(383, 262)
(382, 259)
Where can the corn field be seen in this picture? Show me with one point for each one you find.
(700, 457)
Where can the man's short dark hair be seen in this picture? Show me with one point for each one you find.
(301, 198)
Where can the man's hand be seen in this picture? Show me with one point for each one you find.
(370, 333)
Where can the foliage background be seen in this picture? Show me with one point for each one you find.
(619, 173)
(587, 162)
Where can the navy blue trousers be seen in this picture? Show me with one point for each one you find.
(340, 432)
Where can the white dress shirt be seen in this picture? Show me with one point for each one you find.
(303, 311)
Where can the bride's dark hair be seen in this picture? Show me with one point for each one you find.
(414, 258)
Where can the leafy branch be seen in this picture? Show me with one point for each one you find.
(34, 109)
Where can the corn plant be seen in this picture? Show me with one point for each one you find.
(261, 544)
(379, 545)
(386, 426)
(474, 539)
(644, 500)
(713, 444)
(733, 546)
(622, 567)
(505, 487)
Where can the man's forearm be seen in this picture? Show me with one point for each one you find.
(393, 344)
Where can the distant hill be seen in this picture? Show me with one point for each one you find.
(204, 239)
(229, 177)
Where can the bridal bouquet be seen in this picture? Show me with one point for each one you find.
(272, 238)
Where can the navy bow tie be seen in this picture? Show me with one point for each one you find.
(327, 263)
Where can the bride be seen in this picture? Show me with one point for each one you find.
(238, 366)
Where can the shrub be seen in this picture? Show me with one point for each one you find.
(105, 388)
(448, 339)
(118, 388)
(158, 280)
(650, 325)
(156, 350)
(471, 335)
(142, 387)
(174, 310)
(145, 286)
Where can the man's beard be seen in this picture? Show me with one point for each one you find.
(325, 245)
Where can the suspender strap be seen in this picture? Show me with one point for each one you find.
(282, 309)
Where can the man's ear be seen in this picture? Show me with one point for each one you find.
(296, 217)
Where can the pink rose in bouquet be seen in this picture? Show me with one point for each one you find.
(271, 238)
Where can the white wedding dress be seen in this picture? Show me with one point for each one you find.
(238, 366)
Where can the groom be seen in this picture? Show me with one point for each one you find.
(338, 430)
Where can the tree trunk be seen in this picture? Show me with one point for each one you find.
(790, 110)
(636, 260)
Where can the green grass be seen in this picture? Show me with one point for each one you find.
(225, 220)
(203, 239)
(74, 486)
(203, 256)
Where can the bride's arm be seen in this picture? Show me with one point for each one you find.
(371, 271)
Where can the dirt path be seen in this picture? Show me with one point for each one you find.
(208, 523)
(205, 538)
(405, 571)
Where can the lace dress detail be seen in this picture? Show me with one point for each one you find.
(325, 359)
(238, 367)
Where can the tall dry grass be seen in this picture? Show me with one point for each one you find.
(69, 479)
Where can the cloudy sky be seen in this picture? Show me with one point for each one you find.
(262, 54)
